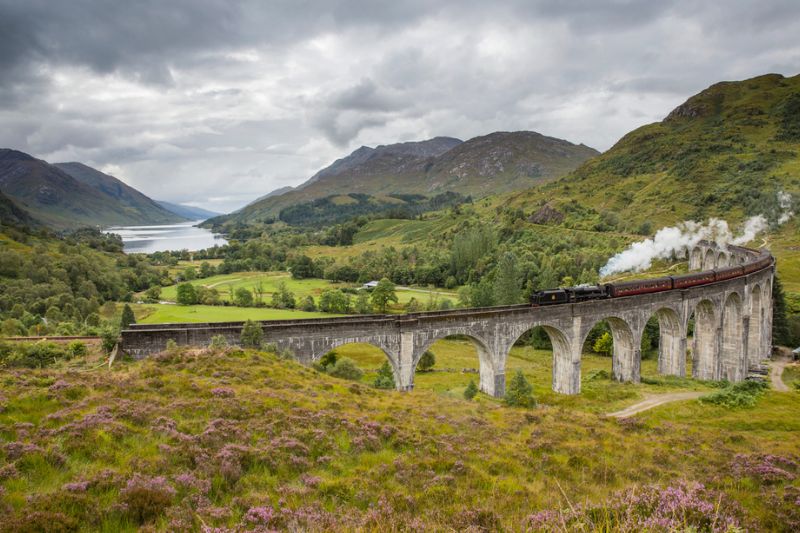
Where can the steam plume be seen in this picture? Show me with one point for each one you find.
(675, 241)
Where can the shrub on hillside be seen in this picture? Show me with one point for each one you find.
(520, 392)
(218, 342)
(471, 391)
(346, 368)
(426, 362)
(385, 377)
(108, 339)
(251, 335)
(146, 498)
(76, 349)
(742, 394)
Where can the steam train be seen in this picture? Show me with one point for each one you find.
(643, 286)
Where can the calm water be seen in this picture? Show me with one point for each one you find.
(148, 239)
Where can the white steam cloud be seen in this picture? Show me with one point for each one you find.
(675, 241)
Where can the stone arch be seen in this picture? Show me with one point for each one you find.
(566, 374)
(704, 345)
(696, 258)
(755, 340)
(626, 359)
(671, 343)
(722, 260)
(709, 260)
(732, 357)
(338, 343)
(492, 379)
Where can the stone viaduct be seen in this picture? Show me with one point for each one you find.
(732, 329)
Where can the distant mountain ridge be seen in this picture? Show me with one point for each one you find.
(71, 195)
(494, 163)
(188, 212)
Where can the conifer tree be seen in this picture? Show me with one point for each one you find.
(127, 318)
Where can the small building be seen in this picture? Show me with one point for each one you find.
(796, 353)
(370, 285)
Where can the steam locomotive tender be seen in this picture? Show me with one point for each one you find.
(631, 288)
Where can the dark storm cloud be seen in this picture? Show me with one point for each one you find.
(217, 102)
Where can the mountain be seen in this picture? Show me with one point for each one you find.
(498, 162)
(727, 152)
(276, 192)
(11, 215)
(60, 200)
(187, 211)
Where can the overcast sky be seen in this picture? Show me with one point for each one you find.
(216, 102)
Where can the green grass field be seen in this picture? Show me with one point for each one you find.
(167, 313)
(300, 287)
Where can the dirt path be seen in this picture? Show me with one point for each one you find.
(655, 401)
(775, 373)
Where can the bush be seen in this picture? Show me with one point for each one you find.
(146, 498)
(385, 377)
(742, 394)
(38, 355)
(327, 361)
(426, 362)
(218, 342)
(471, 391)
(251, 335)
(108, 339)
(520, 392)
(171, 345)
(76, 349)
(345, 368)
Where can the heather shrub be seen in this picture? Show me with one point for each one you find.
(385, 377)
(680, 507)
(145, 498)
(471, 391)
(345, 368)
(251, 335)
(520, 392)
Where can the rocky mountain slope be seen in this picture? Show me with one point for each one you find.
(498, 162)
(57, 198)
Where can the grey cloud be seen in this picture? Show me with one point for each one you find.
(217, 102)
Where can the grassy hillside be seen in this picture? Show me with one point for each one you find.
(193, 440)
(130, 201)
(54, 197)
(725, 152)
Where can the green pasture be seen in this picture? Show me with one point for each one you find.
(168, 313)
(301, 288)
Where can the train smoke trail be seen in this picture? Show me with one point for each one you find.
(675, 241)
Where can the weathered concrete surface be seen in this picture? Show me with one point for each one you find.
(732, 327)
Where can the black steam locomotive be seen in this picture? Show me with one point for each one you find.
(644, 286)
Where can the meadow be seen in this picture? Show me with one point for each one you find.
(269, 282)
(232, 440)
(168, 313)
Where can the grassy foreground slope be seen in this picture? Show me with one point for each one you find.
(243, 440)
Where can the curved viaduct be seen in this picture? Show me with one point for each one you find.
(732, 328)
